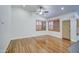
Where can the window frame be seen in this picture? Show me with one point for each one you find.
(55, 26)
(42, 26)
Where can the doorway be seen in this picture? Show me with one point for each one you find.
(66, 29)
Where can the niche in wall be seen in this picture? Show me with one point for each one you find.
(54, 25)
(77, 26)
(40, 25)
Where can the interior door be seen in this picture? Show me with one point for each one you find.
(66, 29)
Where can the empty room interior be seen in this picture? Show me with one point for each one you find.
(39, 28)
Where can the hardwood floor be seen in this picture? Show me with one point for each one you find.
(40, 44)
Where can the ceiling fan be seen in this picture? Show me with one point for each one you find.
(42, 10)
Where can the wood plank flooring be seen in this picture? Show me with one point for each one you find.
(40, 44)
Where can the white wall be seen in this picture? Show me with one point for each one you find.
(23, 24)
(77, 37)
(5, 17)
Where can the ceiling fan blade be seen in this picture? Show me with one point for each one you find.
(45, 11)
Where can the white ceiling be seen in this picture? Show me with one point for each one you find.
(53, 10)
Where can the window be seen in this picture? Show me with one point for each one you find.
(50, 25)
(54, 25)
(40, 25)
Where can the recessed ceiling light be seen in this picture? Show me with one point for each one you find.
(62, 8)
